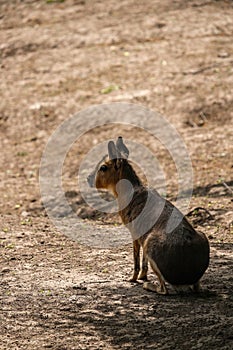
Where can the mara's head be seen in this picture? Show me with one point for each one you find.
(112, 168)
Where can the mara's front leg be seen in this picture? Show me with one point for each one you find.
(136, 258)
(144, 270)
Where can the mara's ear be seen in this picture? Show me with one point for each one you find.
(112, 151)
(121, 147)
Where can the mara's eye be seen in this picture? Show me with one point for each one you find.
(103, 167)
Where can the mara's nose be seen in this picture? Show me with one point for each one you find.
(90, 180)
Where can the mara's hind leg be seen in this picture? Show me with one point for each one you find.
(151, 286)
(183, 289)
(136, 258)
(143, 273)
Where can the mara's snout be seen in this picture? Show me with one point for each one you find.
(91, 180)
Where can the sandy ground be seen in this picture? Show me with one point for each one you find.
(56, 59)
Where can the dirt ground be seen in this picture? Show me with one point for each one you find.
(58, 58)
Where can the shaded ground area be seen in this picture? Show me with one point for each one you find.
(58, 58)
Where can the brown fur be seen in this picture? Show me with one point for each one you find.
(179, 256)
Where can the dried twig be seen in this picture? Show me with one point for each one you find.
(200, 70)
(82, 284)
(198, 209)
(227, 187)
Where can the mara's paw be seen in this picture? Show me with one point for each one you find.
(197, 287)
(133, 279)
(153, 288)
(143, 277)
